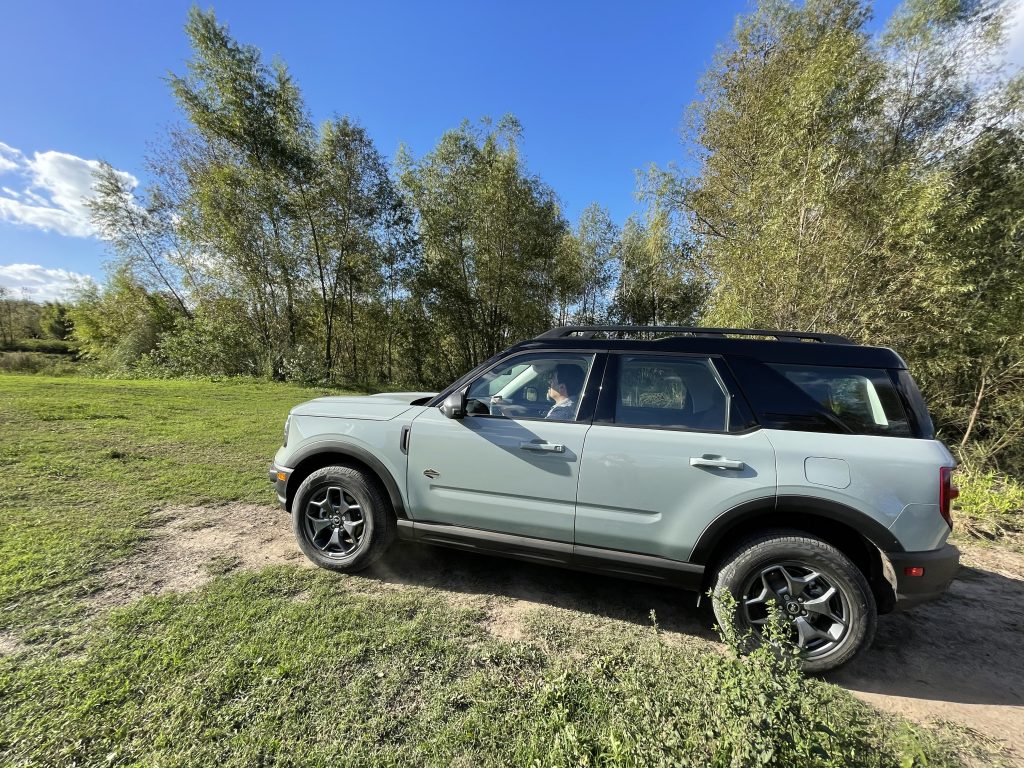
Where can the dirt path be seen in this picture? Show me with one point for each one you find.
(957, 659)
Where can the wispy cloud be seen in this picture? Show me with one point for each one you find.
(39, 283)
(48, 190)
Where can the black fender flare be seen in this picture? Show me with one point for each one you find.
(360, 454)
(774, 506)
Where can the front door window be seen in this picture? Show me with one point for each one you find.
(534, 386)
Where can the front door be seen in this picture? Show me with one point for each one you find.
(511, 465)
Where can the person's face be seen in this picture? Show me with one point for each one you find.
(555, 388)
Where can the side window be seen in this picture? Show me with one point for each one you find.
(680, 392)
(864, 399)
(535, 386)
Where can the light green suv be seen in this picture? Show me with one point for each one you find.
(791, 469)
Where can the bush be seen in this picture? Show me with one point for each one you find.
(37, 362)
(990, 505)
(49, 346)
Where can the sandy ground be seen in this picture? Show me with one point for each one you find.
(957, 659)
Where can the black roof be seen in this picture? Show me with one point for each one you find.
(794, 347)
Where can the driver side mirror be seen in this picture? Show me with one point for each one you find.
(454, 406)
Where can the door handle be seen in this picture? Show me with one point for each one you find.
(542, 447)
(716, 462)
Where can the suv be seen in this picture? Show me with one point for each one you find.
(794, 469)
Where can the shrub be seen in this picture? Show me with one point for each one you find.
(37, 362)
(990, 505)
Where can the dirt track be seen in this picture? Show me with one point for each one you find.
(957, 659)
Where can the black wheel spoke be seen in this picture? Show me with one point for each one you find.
(807, 597)
(334, 521)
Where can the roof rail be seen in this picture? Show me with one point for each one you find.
(589, 331)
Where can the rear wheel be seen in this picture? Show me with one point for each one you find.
(341, 520)
(821, 592)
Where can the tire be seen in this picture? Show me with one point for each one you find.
(341, 519)
(797, 570)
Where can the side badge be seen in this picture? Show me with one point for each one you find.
(431, 473)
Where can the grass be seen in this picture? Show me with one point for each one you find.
(86, 461)
(291, 666)
(990, 507)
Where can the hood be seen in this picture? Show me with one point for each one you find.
(380, 407)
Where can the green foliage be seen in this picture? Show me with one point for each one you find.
(658, 283)
(37, 362)
(489, 233)
(584, 271)
(46, 346)
(118, 325)
(990, 506)
(870, 187)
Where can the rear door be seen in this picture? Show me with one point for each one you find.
(672, 447)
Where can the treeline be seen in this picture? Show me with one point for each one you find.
(28, 324)
(270, 246)
(869, 185)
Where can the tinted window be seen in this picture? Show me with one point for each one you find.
(863, 399)
(539, 386)
(658, 391)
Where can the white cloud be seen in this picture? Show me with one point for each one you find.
(39, 283)
(54, 186)
(10, 158)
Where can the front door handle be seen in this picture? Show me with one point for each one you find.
(545, 447)
(716, 462)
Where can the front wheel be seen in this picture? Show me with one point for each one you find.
(341, 520)
(825, 596)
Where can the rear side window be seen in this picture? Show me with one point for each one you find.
(678, 392)
(863, 399)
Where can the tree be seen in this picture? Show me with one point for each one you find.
(975, 376)
(657, 283)
(121, 322)
(305, 224)
(55, 321)
(490, 233)
(358, 231)
(834, 188)
(143, 234)
(585, 269)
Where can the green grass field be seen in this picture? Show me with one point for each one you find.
(293, 666)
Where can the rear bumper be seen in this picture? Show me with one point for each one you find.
(940, 567)
(275, 474)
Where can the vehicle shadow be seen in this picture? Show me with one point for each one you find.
(964, 647)
(462, 572)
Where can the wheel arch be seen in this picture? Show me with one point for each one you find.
(323, 455)
(858, 536)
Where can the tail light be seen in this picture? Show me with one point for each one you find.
(947, 492)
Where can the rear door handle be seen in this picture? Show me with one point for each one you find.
(545, 447)
(716, 462)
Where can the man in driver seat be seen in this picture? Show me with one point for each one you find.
(564, 387)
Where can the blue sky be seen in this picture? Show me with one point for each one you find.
(599, 87)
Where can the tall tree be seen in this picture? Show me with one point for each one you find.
(657, 283)
(490, 233)
(143, 233)
(252, 144)
(834, 188)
